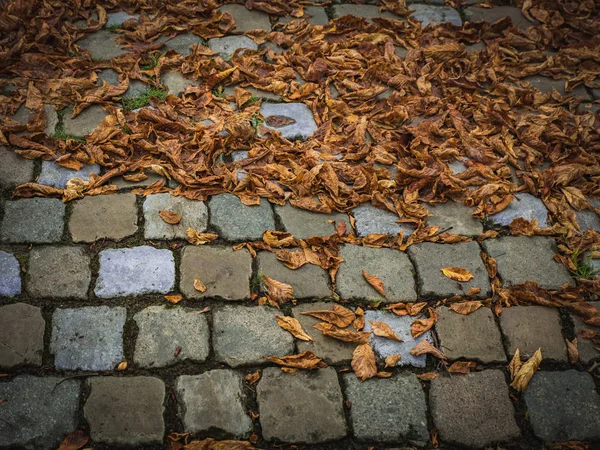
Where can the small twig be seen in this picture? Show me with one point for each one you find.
(594, 367)
(74, 376)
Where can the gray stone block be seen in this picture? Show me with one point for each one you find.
(119, 17)
(226, 46)
(245, 19)
(302, 407)
(85, 123)
(176, 83)
(372, 220)
(587, 349)
(33, 220)
(317, 14)
(455, 216)
(14, 169)
(214, 402)
(587, 220)
(10, 278)
(238, 222)
(434, 15)
(102, 45)
(58, 176)
(21, 335)
(547, 85)
(245, 335)
(135, 271)
(523, 205)
(108, 75)
(181, 43)
(496, 13)
(121, 183)
(304, 124)
(194, 214)
(88, 338)
(304, 224)
(368, 12)
(135, 89)
(23, 115)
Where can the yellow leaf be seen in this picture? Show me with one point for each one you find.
(195, 238)
(169, 216)
(293, 326)
(363, 362)
(339, 316)
(392, 360)
(457, 274)
(572, 350)
(174, 298)
(304, 360)
(122, 366)
(199, 285)
(526, 372)
(515, 364)
(382, 329)
(375, 282)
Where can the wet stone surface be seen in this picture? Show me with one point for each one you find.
(245, 19)
(33, 220)
(428, 15)
(365, 11)
(305, 224)
(587, 349)
(456, 218)
(176, 83)
(21, 335)
(101, 45)
(474, 14)
(181, 43)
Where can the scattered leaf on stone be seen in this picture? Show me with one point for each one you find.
(304, 360)
(572, 351)
(279, 121)
(383, 374)
(174, 298)
(332, 331)
(278, 239)
(374, 281)
(195, 238)
(253, 377)
(169, 216)
(339, 316)
(421, 326)
(515, 364)
(424, 347)
(363, 362)
(382, 329)
(466, 308)
(457, 274)
(526, 372)
(392, 360)
(293, 326)
(278, 291)
(473, 291)
(359, 323)
(462, 367)
(427, 376)
(122, 366)
(199, 285)
(74, 441)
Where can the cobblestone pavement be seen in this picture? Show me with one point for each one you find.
(83, 286)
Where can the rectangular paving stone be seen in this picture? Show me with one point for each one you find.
(181, 43)
(455, 216)
(303, 125)
(474, 14)
(370, 219)
(317, 14)
(430, 258)
(21, 335)
(387, 409)
(245, 19)
(176, 83)
(587, 349)
(392, 266)
(58, 272)
(10, 278)
(102, 45)
(473, 410)
(433, 15)
(38, 413)
(547, 85)
(523, 205)
(587, 220)
(305, 224)
(366, 11)
(213, 402)
(301, 407)
(163, 330)
(527, 258)
(85, 123)
(14, 169)
(226, 46)
(126, 410)
(57, 176)
(225, 273)
(563, 406)
(238, 222)
(135, 271)
(33, 220)
(23, 115)
(245, 335)
(528, 328)
(193, 214)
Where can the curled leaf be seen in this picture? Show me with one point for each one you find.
(343, 335)
(462, 367)
(253, 377)
(392, 360)
(572, 350)
(122, 366)
(526, 372)
(421, 326)
(428, 376)
(374, 281)
(169, 216)
(293, 326)
(278, 291)
(305, 360)
(199, 285)
(74, 441)
(382, 329)
(457, 274)
(339, 316)
(515, 364)
(363, 362)
(195, 238)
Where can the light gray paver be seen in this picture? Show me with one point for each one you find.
(304, 124)
(10, 279)
(456, 216)
(213, 401)
(245, 335)
(428, 14)
(14, 169)
(491, 15)
(527, 258)
(163, 330)
(176, 83)
(245, 19)
(21, 335)
(301, 407)
(523, 205)
(37, 413)
(473, 410)
(193, 214)
(58, 176)
(305, 224)
(33, 220)
(119, 17)
(101, 44)
(135, 271)
(85, 123)
(587, 220)
(547, 84)
(23, 115)
(587, 349)
(387, 410)
(126, 410)
(181, 43)
(370, 219)
(227, 45)
(88, 338)
(238, 222)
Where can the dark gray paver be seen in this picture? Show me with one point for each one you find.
(304, 124)
(301, 407)
(85, 123)
(14, 169)
(430, 258)
(225, 273)
(193, 214)
(547, 85)
(367, 11)
(102, 45)
(474, 336)
(88, 338)
(238, 222)
(58, 176)
(135, 271)
(213, 401)
(491, 15)
(108, 75)
(119, 17)
(527, 258)
(33, 220)
(370, 219)
(305, 224)
(392, 266)
(587, 349)
(455, 216)
(245, 335)
(528, 328)
(587, 220)
(126, 411)
(10, 279)
(473, 410)
(309, 281)
(23, 115)
(103, 216)
(21, 335)
(37, 413)
(181, 43)
(176, 83)
(387, 410)
(58, 272)
(227, 45)
(245, 19)
(428, 14)
(523, 205)
(401, 325)
(163, 330)
(563, 406)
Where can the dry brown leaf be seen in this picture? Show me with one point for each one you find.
(305, 360)
(195, 238)
(169, 216)
(457, 274)
(424, 347)
(415, 308)
(74, 441)
(466, 308)
(526, 372)
(122, 366)
(427, 376)
(572, 351)
(462, 367)
(421, 326)
(515, 364)
(330, 330)
(293, 326)
(383, 374)
(211, 444)
(374, 281)
(278, 291)
(382, 329)
(392, 360)
(174, 298)
(253, 377)
(278, 239)
(359, 323)
(199, 285)
(473, 291)
(363, 362)
(339, 316)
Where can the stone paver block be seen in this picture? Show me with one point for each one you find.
(163, 330)
(193, 214)
(102, 45)
(238, 222)
(392, 266)
(108, 75)
(473, 337)
(305, 224)
(85, 123)
(121, 183)
(225, 273)
(37, 413)
(587, 220)
(563, 406)
(387, 410)
(333, 351)
(88, 338)
(527, 258)
(135, 271)
(135, 89)
(21, 335)
(23, 115)
(370, 219)
(245, 335)
(230, 90)
(587, 349)
(227, 45)
(58, 176)
(301, 407)
(430, 258)
(176, 83)
(10, 279)
(433, 15)
(126, 410)
(304, 124)
(491, 15)
(245, 19)
(523, 205)
(456, 216)
(181, 43)
(33, 220)
(103, 217)
(473, 410)
(58, 272)
(317, 13)
(366, 11)
(547, 84)
(528, 328)
(401, 325)
(14, 169)
(309, 281)
(213, 401)
(119, 17)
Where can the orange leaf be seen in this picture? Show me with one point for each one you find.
(363, 362)
(428, 376)
(195, 238)
(392, 360)
(169, 216)
(122, 366)
(343, 335)
(304, 360)
(462, 367)
(359, 323)
(199, 285)
(339, 316)
(424, 347)
(174, 298)
(382, 329)
(253, 377)
(572, 350)
(421, 326)
(74, 441)
(278, 291)
(293, 326)
(466, 308)
(375, 282)
(457, 274)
